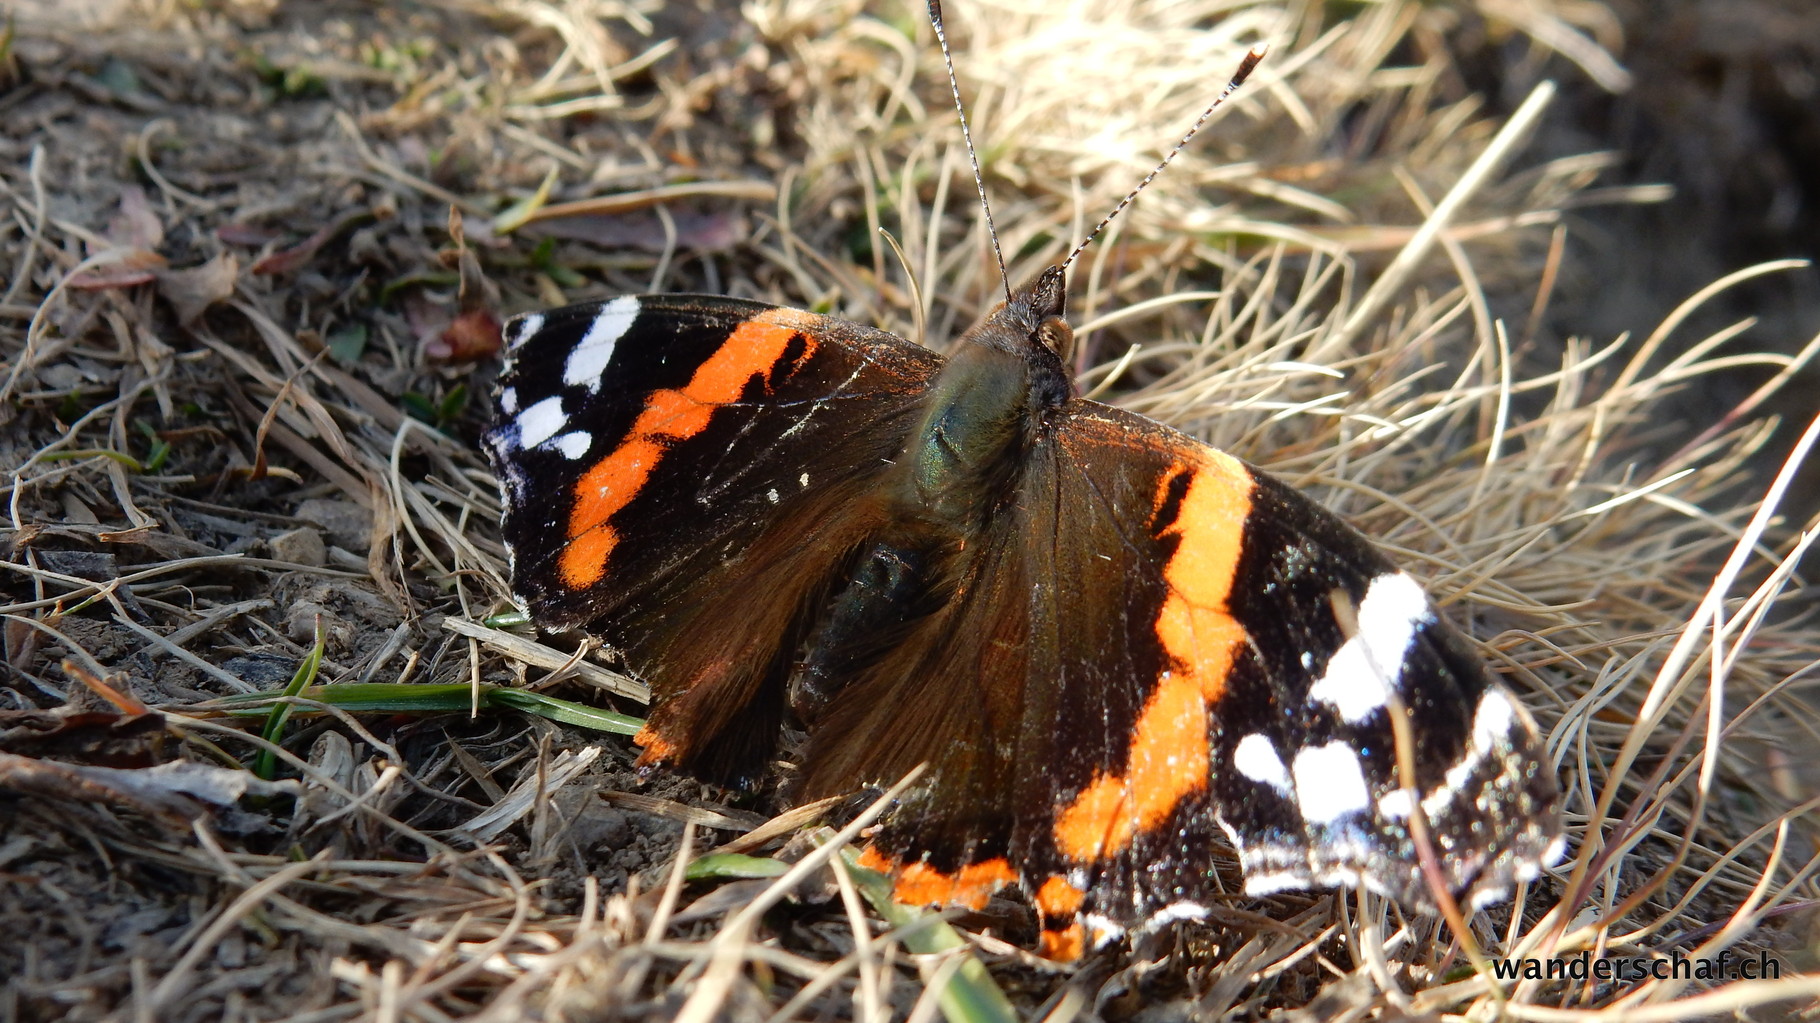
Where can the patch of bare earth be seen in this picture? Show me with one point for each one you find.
(254, 256)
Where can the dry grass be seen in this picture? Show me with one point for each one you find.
(1337, 282)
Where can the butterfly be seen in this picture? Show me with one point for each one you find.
(1114, 649)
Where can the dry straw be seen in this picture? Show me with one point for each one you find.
(1324, 284)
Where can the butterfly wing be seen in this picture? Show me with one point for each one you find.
(1289, 642)
(1141, 648)
(1168, 649)
(685, 475)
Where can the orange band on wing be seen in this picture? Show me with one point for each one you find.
(919, 884)
(1167, 759)
(756, 347)
(1057, 898)
(655, 748)
(1064, 945)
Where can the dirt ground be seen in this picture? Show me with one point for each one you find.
(255, 256)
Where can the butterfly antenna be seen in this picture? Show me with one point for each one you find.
(979, 182)
(1245, 68)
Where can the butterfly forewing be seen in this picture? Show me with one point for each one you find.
(654, 458)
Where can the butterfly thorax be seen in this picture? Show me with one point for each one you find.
(959, 467)
(986, 409)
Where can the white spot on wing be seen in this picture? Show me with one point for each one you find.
(1483, 897)
(1359, 674)
(574, 445)
(1102, 929)
(772, 495)
(1396, 804)
(1271, 882)
(508, 401)
(1348, 877)
(1452, 784)
(1492, 720)
(1436, 803)
(1257, 759)
(590, 357)
(512, 483)
(1175, 911)
(540, 422)
(803, 480)
(1329, 783)
(522, 329)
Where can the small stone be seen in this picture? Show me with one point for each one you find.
(262, 670)
(302, 618)
(348, 524)
(599, 828)
(300, 547)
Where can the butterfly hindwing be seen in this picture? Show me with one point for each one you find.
(1180, 677)
(1350, 641)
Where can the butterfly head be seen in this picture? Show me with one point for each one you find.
(1030, 322)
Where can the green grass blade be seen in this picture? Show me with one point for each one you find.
(567, 712)
(368, 698)
(265, 765)
(506, 619)
(733, 867)
(514, 216)
(439, 698)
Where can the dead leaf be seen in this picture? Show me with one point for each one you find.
(625, 202)
(132, 268)
(134, 225)
(252, 235)
(112, 689)
(192, 290)
(472, 336)
(722, 900)
(286, 260)
(476, 291)
(516, 215)
(104, 737)
(180, 790)
(22, 642)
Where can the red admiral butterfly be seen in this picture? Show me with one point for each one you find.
(1113, 646)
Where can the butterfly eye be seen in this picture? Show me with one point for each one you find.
(1055, 335)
